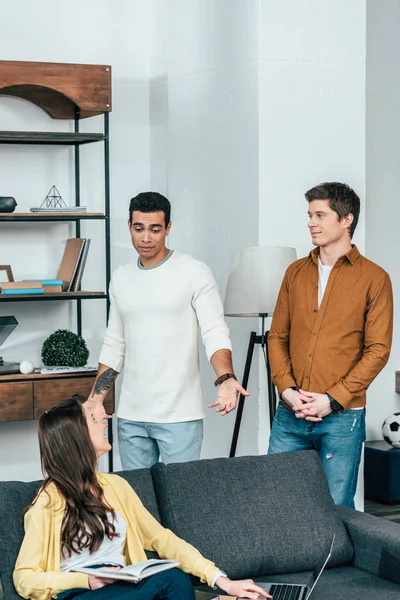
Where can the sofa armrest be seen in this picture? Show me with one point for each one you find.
(376, 543)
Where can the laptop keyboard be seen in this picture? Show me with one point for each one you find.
(285, 592)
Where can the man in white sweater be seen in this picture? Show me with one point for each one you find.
(157, 303)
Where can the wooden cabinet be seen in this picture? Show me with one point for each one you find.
(16, 401)
(26, 397)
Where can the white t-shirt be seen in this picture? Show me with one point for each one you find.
(109, 551)
(153, 332)
(324, 272)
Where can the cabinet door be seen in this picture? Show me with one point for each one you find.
(16, 401)
(47, 393)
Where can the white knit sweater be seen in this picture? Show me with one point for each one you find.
(153, 332)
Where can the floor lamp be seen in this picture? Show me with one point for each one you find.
(254, 281)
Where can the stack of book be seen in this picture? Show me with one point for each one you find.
(50, 286)
(37, 286)
(69, 274)
(21, 287)
(73, 263)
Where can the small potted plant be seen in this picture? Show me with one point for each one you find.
(65, 348)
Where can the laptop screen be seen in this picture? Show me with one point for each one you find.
(318, 571)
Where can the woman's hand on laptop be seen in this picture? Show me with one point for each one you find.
(244, 588)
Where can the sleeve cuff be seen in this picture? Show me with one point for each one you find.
(285, 383)
(340, 394)
(221, 343)
(217, 575)
(110, 360)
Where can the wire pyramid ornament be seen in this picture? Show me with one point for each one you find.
(53, 199)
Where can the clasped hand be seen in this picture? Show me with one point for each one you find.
(227, 396)
(311, 406)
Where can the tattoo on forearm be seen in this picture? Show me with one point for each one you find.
(104, 382)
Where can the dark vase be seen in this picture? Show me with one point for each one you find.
(7, 204)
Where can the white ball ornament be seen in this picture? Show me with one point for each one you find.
(26, 367)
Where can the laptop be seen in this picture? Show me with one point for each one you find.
(295, 591)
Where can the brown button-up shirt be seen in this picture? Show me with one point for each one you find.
(340, 347)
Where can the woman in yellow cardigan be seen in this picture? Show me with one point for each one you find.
(81, 518)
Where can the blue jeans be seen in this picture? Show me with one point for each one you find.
(338, 439)
(142, 444)
(168, 585)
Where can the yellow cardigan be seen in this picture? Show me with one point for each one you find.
(37, 570)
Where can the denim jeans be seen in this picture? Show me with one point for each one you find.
(168, 585)
(338, 439)
(142, 444)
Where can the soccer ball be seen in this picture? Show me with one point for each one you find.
(391, 430)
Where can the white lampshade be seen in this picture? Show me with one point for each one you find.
(255, 279)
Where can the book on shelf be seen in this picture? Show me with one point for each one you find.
(133, 573)
(76, 283)
(49, 285)
(70, 260)
(60, 209)
(61, 369)
(44, 281)
(23, 291)
(52, 289)
(21, 285)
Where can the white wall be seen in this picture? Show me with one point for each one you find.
(92, 32)
(204, 131)
(312, 118)
(233, 108)
(383, 159)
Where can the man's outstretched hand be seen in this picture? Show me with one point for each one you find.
(228, 392)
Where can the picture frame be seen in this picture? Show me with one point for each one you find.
(6, 273)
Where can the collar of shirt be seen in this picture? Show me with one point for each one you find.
(352, 255)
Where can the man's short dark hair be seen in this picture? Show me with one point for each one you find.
(148, 202)
(342, 199)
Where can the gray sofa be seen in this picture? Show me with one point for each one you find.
(266, 517)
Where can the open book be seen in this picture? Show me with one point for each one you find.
(134, 573)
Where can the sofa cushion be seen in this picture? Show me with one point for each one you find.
(142, 482)
(14, 496)
(253, 515)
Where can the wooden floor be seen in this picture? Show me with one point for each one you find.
(391, 512)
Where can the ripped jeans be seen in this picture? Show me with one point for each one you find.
(338, 439)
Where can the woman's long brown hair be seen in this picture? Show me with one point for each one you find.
(69, 461)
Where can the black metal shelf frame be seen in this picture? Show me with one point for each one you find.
(50, 217)
(75, 139)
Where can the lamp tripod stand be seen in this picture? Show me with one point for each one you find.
(263, 341)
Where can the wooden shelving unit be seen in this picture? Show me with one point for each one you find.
(73, 92)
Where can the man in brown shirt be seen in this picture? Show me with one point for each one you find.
(330, 337)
